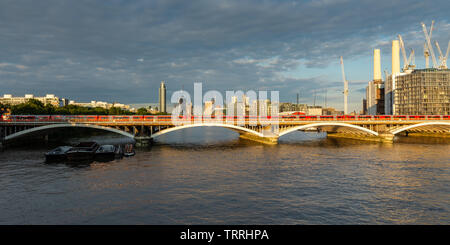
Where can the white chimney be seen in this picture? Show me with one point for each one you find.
(376, 65)
(395, 57)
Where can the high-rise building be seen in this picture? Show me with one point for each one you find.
(162, 97)
(420, 92)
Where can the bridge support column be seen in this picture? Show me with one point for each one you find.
(425, 134)
(386, 137)
(380, 138)
(271, 140)
(143, 141)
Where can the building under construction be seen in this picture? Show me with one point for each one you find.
(420, 92)
(410, 91)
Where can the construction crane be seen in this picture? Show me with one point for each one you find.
(406, 61)
(412, 60)
(426, 52)
(386, 74)
(442, 58)
(428, 43)
(345, 88)
(446, 54)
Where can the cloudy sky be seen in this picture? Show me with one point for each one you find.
(120, 50)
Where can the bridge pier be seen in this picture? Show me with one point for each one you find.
(425, 134)
(143, 141)
(270, 140)
(386, 137)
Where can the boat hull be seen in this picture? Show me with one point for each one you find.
(55, 158)
(84, 151)
(58, 154)
(108, 153)
(80, 156)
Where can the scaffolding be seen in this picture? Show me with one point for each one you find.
(422, 92)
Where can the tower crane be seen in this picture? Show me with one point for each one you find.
(386, 74)
(446, 54)
(428, 43)
(406, 61)
(345, 87)
(412, 59)
(426, 52)
(442, 58)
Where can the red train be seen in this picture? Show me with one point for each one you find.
(166, 118)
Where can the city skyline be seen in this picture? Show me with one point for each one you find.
(120, 51)
(214, 115)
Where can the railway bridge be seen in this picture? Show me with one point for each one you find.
(263, 129)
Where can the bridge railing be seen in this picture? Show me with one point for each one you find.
(195, 119)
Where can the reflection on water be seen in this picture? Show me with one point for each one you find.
(210, 176)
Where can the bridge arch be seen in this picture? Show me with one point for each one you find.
(428, 125)
(239, 129)
(40, 128)
(359, 128)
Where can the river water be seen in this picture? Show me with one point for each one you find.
(210, 176)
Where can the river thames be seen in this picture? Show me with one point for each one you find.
(210, 176)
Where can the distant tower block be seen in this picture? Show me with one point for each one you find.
(376, 65)
(395, 57)
(162, 97)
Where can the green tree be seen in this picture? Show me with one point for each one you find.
(142, 111)
(162, 113)
(36, 107)
(31, 107)
(4, 108)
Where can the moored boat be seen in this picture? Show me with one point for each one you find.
(128, 150)
(58, 154)
(108, 152)
(82, 151)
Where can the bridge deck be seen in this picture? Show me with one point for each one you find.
(166, 123)
(259, 127)
(167, 120)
